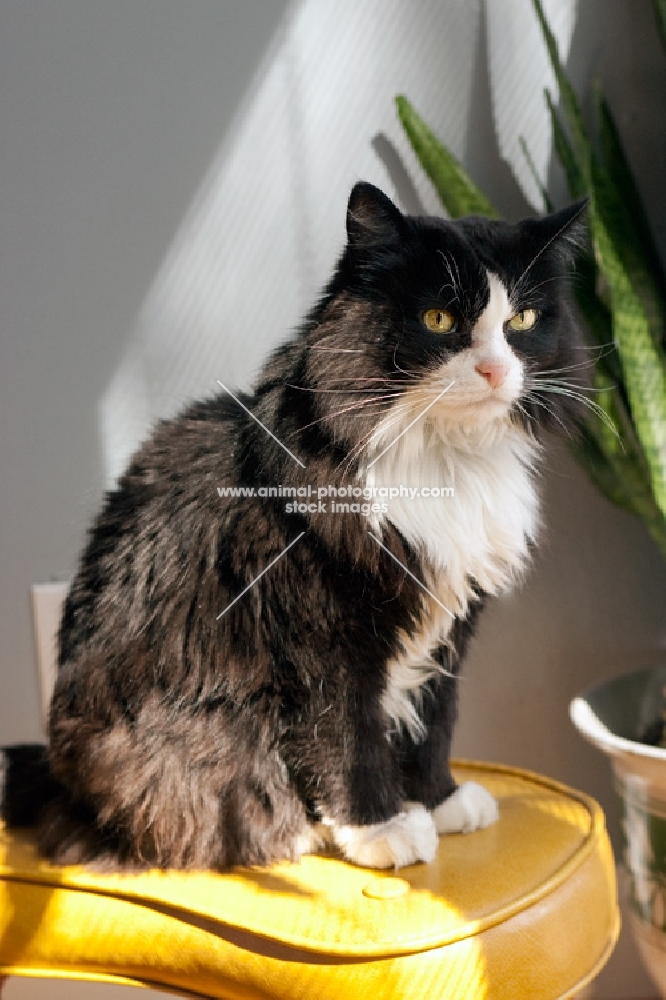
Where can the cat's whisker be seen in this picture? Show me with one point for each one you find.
(397, 412)
(565, 383)
(455, 264)
(403, 409)
(531, 291)
(548, 378)
(580, 364)
(356, 406)
(360, 445)
(457, 283)
(380, 404)
(449, 302)
(407, 407)
(518, 404)
(367, 378)
(542, 403)
(387, 383)
(610, 344)
(567, 225)
(531, 419)
(335, 350)
(397, 367)
(313, 389)
(368, 383)
(453, 285)
(381, 400)
(589, 403)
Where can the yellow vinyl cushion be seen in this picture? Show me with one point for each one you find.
(526, 908)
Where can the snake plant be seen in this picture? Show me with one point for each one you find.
(620, 290)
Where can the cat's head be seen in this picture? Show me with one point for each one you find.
(476, 305)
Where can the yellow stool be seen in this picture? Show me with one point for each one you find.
(526, 908)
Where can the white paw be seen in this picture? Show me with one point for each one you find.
(408, 837)
(313, 838)
(470, 807)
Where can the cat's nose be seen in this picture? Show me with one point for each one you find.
(494, 372)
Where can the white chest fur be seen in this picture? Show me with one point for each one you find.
(479, 535)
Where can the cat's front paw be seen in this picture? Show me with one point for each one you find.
(470, 808)
(407, 838)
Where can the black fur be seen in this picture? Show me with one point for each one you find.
(177, 738)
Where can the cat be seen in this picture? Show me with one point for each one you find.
(247, 678)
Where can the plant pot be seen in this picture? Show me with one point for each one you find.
(614, 716)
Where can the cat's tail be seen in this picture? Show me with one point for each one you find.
(64, 830)
(27, 785)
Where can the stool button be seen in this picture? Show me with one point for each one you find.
(386, 888)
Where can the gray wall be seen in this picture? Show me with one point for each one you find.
(110, 116)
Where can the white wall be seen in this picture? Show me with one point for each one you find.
(131, 214)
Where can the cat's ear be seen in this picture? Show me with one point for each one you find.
(565, 231)
(372, 218)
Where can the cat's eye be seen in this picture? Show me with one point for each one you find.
(439, 320)
(523, 321)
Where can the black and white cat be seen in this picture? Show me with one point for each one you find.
(241, 679)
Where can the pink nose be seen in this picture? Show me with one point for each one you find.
(494, 372)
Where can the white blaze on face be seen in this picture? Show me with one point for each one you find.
(488, 376)
(494, 360)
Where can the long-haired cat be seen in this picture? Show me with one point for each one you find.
(245, 678)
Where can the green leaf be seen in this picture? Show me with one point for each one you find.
(622, 446)
(626, 281)
(576, 166)
(570, 106)
(606, 428)
(660, 13)
(631, 231)
(457, 191)
(587, 285)
(642, 361)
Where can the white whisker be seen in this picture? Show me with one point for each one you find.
(550, 242)
(579, 397)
